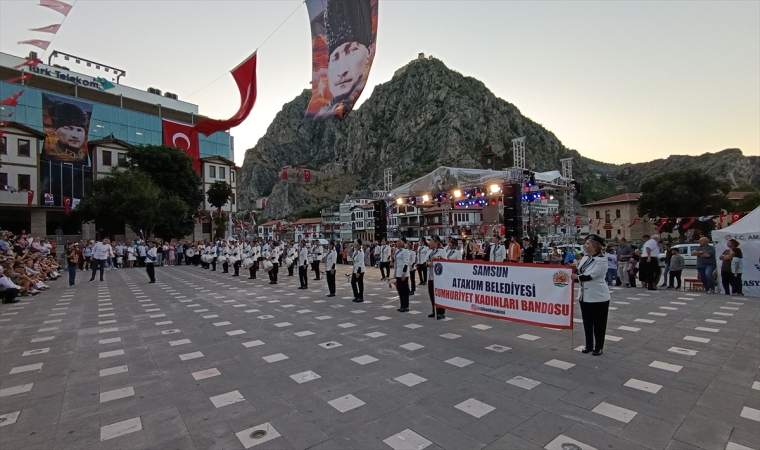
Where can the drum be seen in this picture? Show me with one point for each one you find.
(247, 263)
(190, 253)
(288, 261)
(268, 266)
(206, 258)
(221, 259)
(267, 255)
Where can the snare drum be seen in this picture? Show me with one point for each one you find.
(221, 259)
(288, 261)
(268, 266)
(247, 263)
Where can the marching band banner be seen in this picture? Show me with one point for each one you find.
(343, 34)
(534, 294)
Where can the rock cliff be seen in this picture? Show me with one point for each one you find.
(423, 118)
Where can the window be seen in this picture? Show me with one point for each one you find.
(221, 173)
(212, 171)
(608, 234)
(3, 178)
(232, 176)
(617, 213)
(618, 231)
(106, 158)
(233, 199)
(24, 182)
(597, 215)
(121, 159)
(24, 147)
(607, 216)
(3, 145)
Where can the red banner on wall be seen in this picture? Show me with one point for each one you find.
(67, 204)
(30, 198)
(284, 173)
(185, 137)
(307, 175)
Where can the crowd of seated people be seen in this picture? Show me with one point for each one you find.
(27, 264)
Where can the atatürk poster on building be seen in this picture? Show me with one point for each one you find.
(343, 34)
(66, 123)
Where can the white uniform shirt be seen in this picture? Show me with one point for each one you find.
(498, 253)
(318, 253)
(151, 257)
(331, 259)
(303, 256)
(359, 261)
(101, 250)
(275, 255)
(385, 253)
(401, 263)
(437, 253)
(454, 254)
(422, 254)
(412, 260)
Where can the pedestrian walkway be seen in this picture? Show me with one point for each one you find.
(207, 361)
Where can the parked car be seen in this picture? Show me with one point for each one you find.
(685, 251)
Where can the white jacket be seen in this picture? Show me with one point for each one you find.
(498, 253)
(331, 259)
(591, 273)
(454, 254)
(422, 254)
(303, 256)
(401, 264)
(385, 253)
(359, 261)
(412, 260)
(437, 253)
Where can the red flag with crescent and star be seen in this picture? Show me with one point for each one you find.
(245, 77)
(185, 137)
(57, 6)
(577, 220)
(735, 217)
(12, 100)
(67, 204)
(30, 198)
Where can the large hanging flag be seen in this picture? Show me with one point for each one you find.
(36, 42)
(23, 77)
(343, 34)
(12, 101)
(57, 6)
(31, 62)
(184, 137)
(48, 29)
(245, 77)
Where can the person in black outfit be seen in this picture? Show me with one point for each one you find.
(529, 252)
(357, 277)
(436, 253)
(331, 259)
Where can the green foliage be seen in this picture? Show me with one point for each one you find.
(221, 225)
(171, 170)
(683, 193)
(749, 202)
(218, 194)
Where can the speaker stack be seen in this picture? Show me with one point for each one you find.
(513, 211)
(380, 214)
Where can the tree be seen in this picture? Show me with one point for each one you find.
(749, 202)
(171, 170)
(218, 194)
(683, 193)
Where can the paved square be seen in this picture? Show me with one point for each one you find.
(324, 373)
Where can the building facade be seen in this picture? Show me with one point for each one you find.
(612, 218)
(42, 168)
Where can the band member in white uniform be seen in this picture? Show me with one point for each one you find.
(357, 277)
(303, 266)
(498, 251)
(237, 257)
(331, 259)
(436, 253)
(401, 273)
(151, 259)
(255, 254)
(293, 255)
(318, 253)
(422, 257)
(274, 258)
(412, 266)
(385, 260)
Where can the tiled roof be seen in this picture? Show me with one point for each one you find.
(622, 198)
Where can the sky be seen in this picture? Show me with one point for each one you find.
(618, 81)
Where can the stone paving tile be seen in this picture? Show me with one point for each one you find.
(320, 373)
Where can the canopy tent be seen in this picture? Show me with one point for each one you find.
(747, 232)
(443, 179)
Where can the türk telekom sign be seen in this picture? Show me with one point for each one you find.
(535, 294)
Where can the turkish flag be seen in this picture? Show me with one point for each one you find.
(284, 173)
(735, 217)
(503, 230)
(307, 175)
(662, 223)
(720, 221)
(57, 6)
(635, 221)
(67, 204)
(36, 42)
(245, 77)
(48, 29)
(12, 100)
(31, 62)
(30, 198)
(577, 220)
(185, 137)
(556, 219)
(685, 223)
(24, 77)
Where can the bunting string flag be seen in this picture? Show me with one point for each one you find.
(31, 62)
(23, 77)
(43, 44)
(735, 217)
(57, 6)
(12, 100)
(720, 221)
(48, 29)
(686, 223)
(663, 221)
(245, 77)
(635, 221)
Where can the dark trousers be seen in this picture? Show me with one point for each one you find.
(652, 273)
(252, 271)
(225, 267)
(213, 264)
(151, 269)
(315, 268)
(436, 310)
(402, 286)
(357, 285)
(414, 284)
(331, 282)
(140, 261)
(98, 264)
(422, 272)
(385, 269)
(595, 323)
(303, 276)
(180, 255)
(72, 274)
(273, 272)
(236, 266)
(290, 269)
(9, 295)
(736, 283)
(674, 275)
(726, 276)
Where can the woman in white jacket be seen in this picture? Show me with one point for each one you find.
(594, 295)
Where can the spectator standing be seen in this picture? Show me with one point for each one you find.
(737, 266)
(706, 264)
(624, 255)
(529, 253)
(101, 251)
(72, 258)
(87, 254)
(650, 257)
(513, 251)
(668, 255)
(726, 266)
(677, 263)
(612, 271)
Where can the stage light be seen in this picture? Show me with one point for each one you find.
(551, 197)
(425, 198)
(543, 196)
(400, 201)
(495, 188)
(527, 188)
(457, 193)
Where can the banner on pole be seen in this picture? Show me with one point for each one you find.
(533, 294)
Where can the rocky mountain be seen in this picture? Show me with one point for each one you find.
(426, 116)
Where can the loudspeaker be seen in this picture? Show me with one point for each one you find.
(380, 214)
(513, 211)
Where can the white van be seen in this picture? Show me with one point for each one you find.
(685, 251)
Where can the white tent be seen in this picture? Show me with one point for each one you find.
(443, 179)
(747, 232)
